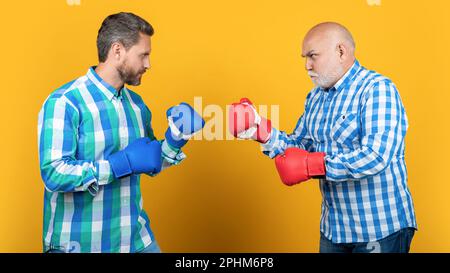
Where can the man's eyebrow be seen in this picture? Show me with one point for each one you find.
(308, 54)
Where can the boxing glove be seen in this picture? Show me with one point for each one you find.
(183, 123)
(141, 156)
(297, 165)
(245, 122)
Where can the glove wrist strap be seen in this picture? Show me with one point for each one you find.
(119, 164)
(174, 142)
(316, 164)
(264, 130)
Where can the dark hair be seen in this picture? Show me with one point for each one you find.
(123, 27)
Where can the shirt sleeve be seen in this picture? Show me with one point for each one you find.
(383, 129)
(280, 141)
(57, 136)
(171, 155)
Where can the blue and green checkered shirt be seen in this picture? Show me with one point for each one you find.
(360, 123)
(85, 208)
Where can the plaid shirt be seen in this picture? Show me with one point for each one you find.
(85, 208)
(360, 123)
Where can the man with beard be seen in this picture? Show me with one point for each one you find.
(351, 137)
(96, 139)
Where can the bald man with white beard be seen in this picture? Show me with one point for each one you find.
(351, 138)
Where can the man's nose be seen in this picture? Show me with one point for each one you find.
(308, 64)
(147, 64)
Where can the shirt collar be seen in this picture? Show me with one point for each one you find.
(109, 91)
(348, 76)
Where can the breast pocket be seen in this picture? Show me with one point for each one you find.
(346, 129)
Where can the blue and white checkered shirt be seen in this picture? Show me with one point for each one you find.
(360, 123)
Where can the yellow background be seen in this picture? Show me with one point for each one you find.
(226, 196)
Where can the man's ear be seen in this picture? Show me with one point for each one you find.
(342, 51)
(117, 51)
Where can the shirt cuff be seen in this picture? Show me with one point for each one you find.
(89, 184)
(170, 154)
(103, 171)
(270, 144)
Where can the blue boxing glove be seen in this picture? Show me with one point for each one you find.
(183, 123)
(141, 156)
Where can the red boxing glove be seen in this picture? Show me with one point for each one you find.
(297, 165)
(245, 123)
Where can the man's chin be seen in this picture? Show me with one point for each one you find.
(135, 82)
(316, 84)
(321, 84)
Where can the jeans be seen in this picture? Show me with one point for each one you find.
(398, 242)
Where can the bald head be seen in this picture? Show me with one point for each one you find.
(332, 32)
(329, 50)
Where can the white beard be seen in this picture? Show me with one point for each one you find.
(326, 81)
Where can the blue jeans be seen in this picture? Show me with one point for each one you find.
(398, 242)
